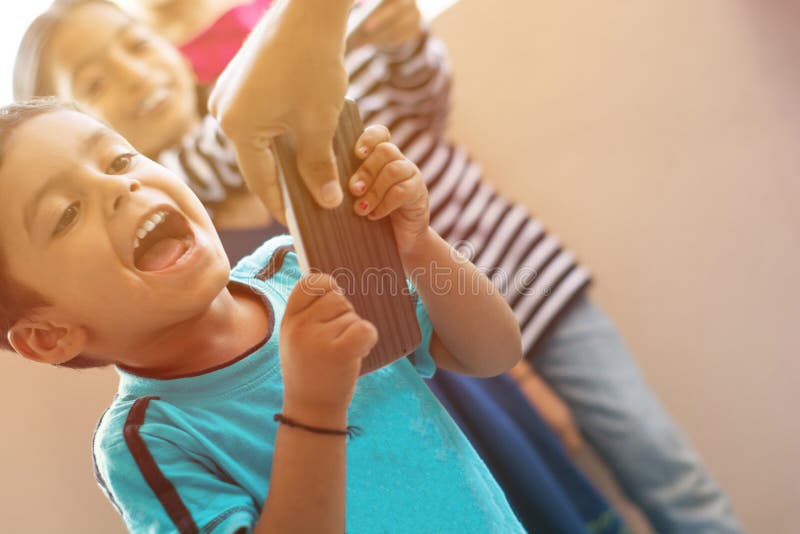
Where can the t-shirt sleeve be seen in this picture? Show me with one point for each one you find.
(159, 487)
(413, 82)
(421, 358)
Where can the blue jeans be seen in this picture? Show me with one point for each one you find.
(544, 488)
(585, 361)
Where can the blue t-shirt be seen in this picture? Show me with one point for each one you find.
(194, 454)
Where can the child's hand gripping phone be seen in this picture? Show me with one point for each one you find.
(359, 253)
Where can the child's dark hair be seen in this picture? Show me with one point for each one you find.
(30, 76)
(16, 300)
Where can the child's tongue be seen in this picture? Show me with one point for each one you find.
(162, 254)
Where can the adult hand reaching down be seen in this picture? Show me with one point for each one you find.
(289, 76)
(393, 23)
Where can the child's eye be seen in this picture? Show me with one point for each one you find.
(140, 45)
(95, 88)
(69, 215)
(120, 164)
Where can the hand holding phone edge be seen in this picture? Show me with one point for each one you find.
(253, 103)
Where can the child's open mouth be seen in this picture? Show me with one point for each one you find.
(161, 241)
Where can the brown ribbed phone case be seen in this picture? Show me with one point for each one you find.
(361, 254)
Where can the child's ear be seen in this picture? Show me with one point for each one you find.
(45, 342)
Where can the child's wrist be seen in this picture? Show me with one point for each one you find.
(317, 414)
(418, 254)
(350, 431)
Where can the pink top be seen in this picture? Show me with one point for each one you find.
(211, 50)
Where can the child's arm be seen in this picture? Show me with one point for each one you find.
(475, 331)
(322, 343)
(323, 340)
(392, 24)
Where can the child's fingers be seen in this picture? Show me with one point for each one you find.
(357, 339)
(406, 193)
(371, 137)
(392, 173)
(327, 307)
(337, 326)
(309, 288)
(378, 158)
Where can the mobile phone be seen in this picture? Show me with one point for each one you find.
(360, 254)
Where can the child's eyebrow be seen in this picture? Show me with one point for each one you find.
(54, 180)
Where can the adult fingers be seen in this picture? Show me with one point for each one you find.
(317, 162)
(258, 166)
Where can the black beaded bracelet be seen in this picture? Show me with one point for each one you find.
(350, 431)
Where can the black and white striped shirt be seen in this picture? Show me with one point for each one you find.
(407, 89)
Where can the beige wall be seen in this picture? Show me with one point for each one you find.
(661, 140)
(48, 417)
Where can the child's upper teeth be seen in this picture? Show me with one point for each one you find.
(147, 227)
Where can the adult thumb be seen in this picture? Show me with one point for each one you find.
(317, 165)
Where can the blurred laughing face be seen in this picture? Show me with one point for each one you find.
(122, 72)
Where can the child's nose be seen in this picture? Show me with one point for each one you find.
(131, 71)
(118, 190)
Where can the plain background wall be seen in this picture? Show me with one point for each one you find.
(660, 141)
